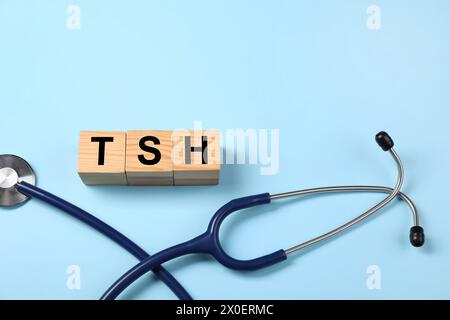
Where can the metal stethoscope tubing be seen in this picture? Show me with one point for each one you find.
(356, 220)
(339, 189)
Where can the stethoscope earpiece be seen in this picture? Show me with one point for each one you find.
(417, 236)
(384, 140)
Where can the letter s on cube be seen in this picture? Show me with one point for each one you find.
(149, 158)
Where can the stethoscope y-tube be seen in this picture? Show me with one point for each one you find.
(209, 243)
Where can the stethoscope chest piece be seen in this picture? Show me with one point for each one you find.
(13, 169)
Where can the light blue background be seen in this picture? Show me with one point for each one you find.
(311, 69)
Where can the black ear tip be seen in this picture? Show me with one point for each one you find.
(384, 141)
(417, 236)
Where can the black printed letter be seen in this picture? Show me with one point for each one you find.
(147, 148)
(188, 149)
(101, 147)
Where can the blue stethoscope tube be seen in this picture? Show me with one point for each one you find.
(102, 227)
(208, 243)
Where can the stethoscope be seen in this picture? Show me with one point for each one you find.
(17, 185)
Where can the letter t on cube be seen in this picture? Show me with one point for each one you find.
(101, 157)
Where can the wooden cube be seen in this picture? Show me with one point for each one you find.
(196, 157)
(101, 157)
(149, 158)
